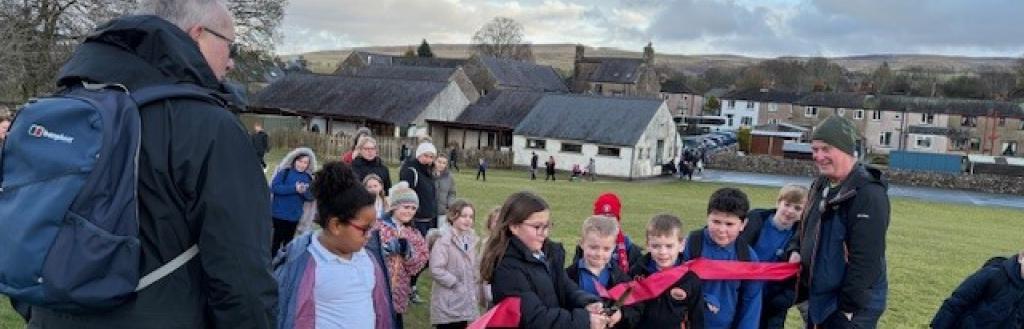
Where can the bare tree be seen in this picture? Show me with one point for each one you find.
(502, 37)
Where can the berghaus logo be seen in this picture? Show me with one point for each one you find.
(39, 131)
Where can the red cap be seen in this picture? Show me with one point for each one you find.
(608, 204)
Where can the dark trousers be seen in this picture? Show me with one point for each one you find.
(863, 320)
(454, 164)
(533, 173)
(773, 319)
(263, 163)
(550, 175)
(284, 231)
(399, 322)
(422, 225)
(481, 172)
(454, 325)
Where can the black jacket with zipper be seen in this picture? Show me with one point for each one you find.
(200, 182)
(847, 265)
(548, 298)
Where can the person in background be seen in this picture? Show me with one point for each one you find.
(444, 184)
(375, 185)
(454, 267)
(261, 141)
(290, 193)
(481, 169)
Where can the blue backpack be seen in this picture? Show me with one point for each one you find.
(69, 198)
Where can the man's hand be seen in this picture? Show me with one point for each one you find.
(595, 308)
(794, 258)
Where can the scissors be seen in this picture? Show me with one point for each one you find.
(618, 303)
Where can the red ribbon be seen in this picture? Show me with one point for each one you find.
(506, 313)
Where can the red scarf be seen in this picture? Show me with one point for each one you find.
(506, 313)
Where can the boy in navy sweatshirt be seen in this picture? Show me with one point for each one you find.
(727, 303)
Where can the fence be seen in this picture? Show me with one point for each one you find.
(332, 147)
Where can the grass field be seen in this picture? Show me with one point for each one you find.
(931, 246)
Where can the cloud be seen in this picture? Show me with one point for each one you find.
(746, 27)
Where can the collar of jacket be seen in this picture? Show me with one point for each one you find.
(860, 176)
(518, 250)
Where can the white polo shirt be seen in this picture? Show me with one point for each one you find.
(344, 289)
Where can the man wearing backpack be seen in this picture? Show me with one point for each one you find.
(418, 172)
(841, 238)
(199, 182)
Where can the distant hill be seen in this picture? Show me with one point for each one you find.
(561, 57)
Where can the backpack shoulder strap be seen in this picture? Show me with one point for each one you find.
(416, 177)
(146, 95)
(695, 244)
(742, 250)
(168, 268)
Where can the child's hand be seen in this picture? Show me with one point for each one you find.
(595, 308)
(615, 318)
(794, 258)
(677, 293)
(598, 321)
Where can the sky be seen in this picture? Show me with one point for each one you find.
(758, 28)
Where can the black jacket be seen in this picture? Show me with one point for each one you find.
(421, 179)
(630, 315)
(548, 299)
(992, 297)
(199, 182)
(261, 141)
(665, 311)
(363, 167)
(842, 243)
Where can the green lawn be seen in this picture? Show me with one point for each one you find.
(932, 246)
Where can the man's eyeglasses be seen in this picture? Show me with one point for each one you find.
(232, 46)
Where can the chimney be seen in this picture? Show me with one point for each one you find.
(579, 52)
(649, 54)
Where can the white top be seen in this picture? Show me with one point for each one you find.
(344, 288)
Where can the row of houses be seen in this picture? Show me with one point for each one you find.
(490, 103)
(886, 122)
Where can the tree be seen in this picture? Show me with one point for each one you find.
(424, 50)
(881, 78)
(753, 77)
(1019, 68)
(712, 106)
(743, 138)
(965, 87)
(502, 37)
(409, 52)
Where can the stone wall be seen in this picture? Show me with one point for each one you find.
(769, 165)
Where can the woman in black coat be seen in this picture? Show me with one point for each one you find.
(367, 162)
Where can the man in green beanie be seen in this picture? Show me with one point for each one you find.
(841, 238)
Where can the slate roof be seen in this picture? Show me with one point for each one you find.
(502, 109)
(523, 75)
(614, 69)
(392, 101)
(594, 119)
(764, 95)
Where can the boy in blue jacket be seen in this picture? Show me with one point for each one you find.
(727, 303)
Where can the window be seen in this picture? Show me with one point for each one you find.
(923, 142)
(1021, 124)
(750, 104)
(927, 118)
(598, 88)
(1009, 148)
(876, 115)
(728, 118)
(885, 139)
(773, 121)
(975, 144)
(1002, 121)
(968, 121)
(773, 107)
(811, 112)
(747, 121)
(608, 151)
(572, 148)
(858, 114)
(732, 103)
(536, 144)
(841, 111)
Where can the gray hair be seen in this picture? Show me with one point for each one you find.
(186, 13)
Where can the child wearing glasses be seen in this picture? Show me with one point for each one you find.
(454, 268)
(326, 278)
(404, 248)
(519, 260)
